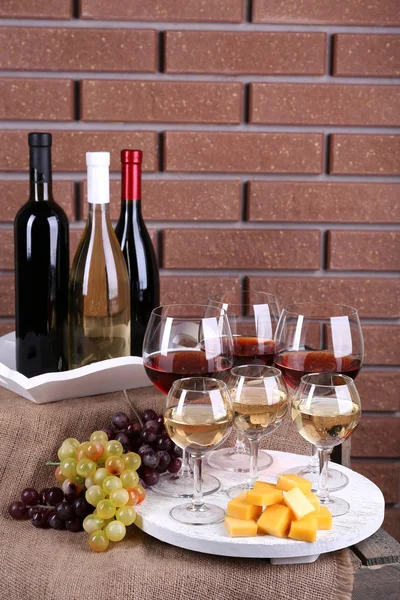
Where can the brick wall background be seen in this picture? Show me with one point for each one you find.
(270, 132)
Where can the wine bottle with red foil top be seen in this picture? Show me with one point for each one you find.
(41, 270)
(137, 249)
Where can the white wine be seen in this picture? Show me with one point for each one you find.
(327, 422)
(195, 427)
(99, 297)
(256, 413)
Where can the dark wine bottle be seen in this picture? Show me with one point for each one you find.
(137, 249)
(41, 270)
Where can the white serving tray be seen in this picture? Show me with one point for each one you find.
(112, 375)
(366, 514)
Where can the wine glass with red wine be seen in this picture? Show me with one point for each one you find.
(253, 325)
(318, 338)
(183, 341)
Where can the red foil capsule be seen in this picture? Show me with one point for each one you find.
(131, 174)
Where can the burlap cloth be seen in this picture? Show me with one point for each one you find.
(58, 565)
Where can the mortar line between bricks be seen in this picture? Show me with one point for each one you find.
(384, 413)
(196, 128)
(172, 176)
(197, 27)
(383, 460)
(202, 77)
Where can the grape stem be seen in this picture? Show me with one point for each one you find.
(52, 463)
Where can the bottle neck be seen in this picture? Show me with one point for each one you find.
(131, 182)
(41, 188)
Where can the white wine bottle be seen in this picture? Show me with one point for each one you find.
(99, 296)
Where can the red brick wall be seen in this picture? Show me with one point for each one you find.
(272, 154)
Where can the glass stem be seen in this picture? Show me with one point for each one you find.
(323, 492)
(185, 471)
(313, 463)
(197, 500)
(240, 446)
(253, 474)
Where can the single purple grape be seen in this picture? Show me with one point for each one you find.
(133, 430)
(143, 448)
(71, 491)
(152, 425)
(55, 495)
(175, 465)
(109, 432)
(43, 496)
(165, 443)
(30, 496)
(82, 508)
(123, 438)
(148, 436)
(150, 476)
(74, 525)
(150, 459)
(65, 511)
(18, 510)
(149, 415)
(164, 459)
(54, 520)
(40, 520)
(176, 451)
(120, 420)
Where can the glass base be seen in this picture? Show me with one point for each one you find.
(336, 479)
(336, 506)
(174, 485)
(237, 489)
(208, 514)
(227, 459)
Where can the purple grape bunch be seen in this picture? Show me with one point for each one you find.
(158, 452)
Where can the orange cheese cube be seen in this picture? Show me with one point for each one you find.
(288, 482)
(240, 528)
(304, 530)
(313, 498)
(275, 520)
(298, 503)
(238, 508)
(324, 518)
(264, 496)
(263, 484)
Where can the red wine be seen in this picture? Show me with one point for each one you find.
(137, 249)
(163, 369)
(41, 270)
(296, 364)
(252, 350)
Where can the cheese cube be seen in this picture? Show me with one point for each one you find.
(238, 508)
(298, 503)
(288, 482)
(324, 518)
(275, 520)
(240, 528)
(313, 498)
(260, 484)
(304, 530)
(264, 496)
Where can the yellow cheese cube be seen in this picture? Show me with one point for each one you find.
(313, 498)
(305, 529)
(298, 503)
(240, 528)
(288, 482)
(264, 496)
(238, 508)
(260, 484)
(324, 518)
(275, 520)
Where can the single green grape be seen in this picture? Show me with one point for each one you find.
(89, 481)
(66, 451)
(98, 541)
(99, 436)
(119, 497)
(113, 448)
(115, 531)
(114, 465)
(105, 509)
(132, 461)
(111, 483)
(94, 494)
(92, 523)
(100, 476)
(86, 468)
(126, 514)
(72, 441)
(129, 478)
(68, 467)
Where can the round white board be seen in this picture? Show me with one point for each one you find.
(364, 518)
